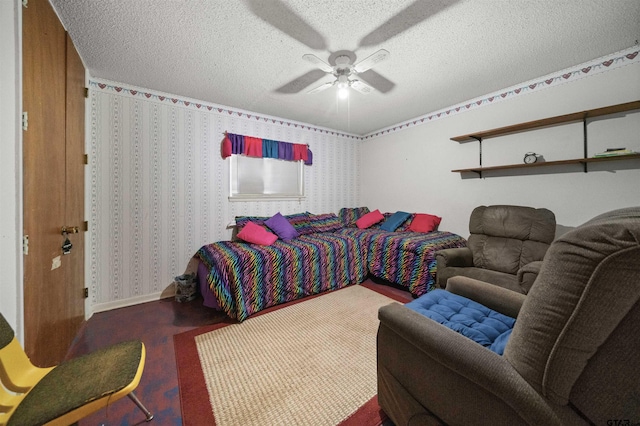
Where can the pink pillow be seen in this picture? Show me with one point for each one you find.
(369, 219)
(424, 222)
(256, 234)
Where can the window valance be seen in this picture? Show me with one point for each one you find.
(265, 148)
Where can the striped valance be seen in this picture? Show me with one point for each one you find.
(265, 148)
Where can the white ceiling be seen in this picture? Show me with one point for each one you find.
(247, 54)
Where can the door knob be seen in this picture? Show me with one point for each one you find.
(70, 230)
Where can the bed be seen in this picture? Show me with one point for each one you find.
(247, 278)
(405, 258)
(242, 278)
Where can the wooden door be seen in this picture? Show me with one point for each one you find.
(53, 184)
(74, 186)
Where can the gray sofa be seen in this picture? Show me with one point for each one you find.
(505, 242)
(572, 358)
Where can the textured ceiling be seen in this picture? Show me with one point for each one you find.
(247, 54)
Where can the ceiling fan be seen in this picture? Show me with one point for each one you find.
(343, 70)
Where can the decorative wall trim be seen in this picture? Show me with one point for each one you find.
(167, 99)
(587, 69)
(590, 68)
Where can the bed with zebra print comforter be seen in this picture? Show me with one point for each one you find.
(404, 258)
(330, 253)
(247, 278)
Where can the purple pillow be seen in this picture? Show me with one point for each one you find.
(281, 227)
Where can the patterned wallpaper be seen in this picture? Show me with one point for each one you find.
(158, 185)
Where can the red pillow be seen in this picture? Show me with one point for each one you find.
(256, 234)
(369, 219)
(424, 222)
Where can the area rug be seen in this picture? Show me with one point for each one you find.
(307, 363)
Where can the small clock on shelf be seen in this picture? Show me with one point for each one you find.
(530, 158)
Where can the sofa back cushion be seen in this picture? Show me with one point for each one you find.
(327, 222)
(505, 238)
(576, 322)
(294, 219)
(349, 215)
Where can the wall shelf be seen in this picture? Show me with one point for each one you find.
(551, 163)
(545, 122)
(560, 119)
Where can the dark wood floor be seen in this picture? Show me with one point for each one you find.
(155, 323)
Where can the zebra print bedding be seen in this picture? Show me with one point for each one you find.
(247, 278)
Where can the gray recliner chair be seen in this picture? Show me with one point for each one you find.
(504, 243)
(572, 357)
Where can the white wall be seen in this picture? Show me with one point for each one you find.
(10, 166)
(417, 161)
(158, 187)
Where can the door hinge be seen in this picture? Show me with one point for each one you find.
(25, 244)
(86, 158)
(86, 92)
(25, 120)
(25, 3)
(85, 292)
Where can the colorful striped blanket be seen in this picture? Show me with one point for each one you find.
(404, 258)
(247, 278)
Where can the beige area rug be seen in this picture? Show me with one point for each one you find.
(312, 363)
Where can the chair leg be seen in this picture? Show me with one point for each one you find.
(136, 401)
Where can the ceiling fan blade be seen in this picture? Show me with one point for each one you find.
(296, 85)
(377, 81)
(320, 88)
(413, 14)
(371, 61)
(277, 14)
(361, 87)
(317, 62)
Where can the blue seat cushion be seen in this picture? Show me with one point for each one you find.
(485, 326)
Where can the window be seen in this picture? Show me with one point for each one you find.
(254, 178)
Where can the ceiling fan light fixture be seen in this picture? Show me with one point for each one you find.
(343, 82)
(343, 70)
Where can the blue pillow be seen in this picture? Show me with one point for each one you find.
(394, 221)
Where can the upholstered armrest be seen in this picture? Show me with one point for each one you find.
(494, 297)
(426, 370)
(528, 274)
(457, 257)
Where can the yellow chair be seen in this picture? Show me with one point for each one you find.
(64, 394)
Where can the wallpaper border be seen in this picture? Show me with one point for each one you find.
(590, 68)
(173, 100)
(586, 69)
